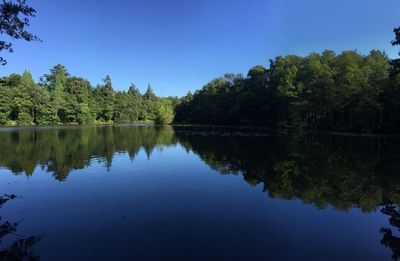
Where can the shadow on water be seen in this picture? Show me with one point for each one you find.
(21, 248)
(389, 239)
(321, 169)
(325, 170)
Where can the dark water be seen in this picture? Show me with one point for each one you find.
(148, 193)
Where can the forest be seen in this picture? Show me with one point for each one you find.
(60, 98)
(322, 91)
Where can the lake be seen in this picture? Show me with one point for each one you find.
(128, 192)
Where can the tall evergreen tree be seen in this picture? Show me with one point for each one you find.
(149, 94)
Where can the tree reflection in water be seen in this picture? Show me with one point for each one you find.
(389, 239)
(21, 248)
(322, 169)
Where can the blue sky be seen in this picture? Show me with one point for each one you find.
(179, 45)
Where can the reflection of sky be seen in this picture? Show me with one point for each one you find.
(175, 203)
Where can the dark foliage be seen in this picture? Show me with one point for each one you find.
(14, 18)
(345, 92)
(389, 239)
(21, 248)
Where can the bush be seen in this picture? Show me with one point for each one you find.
(3, 118)
(24, 119)
(164, 114)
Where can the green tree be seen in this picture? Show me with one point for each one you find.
(5, 104)
(55, 82)
(149, 94)
(283, 80)
(13, 80)
(32, 103)
(164, 113)
(104, 96)
(133, 91)
(78, 92)
(391, 95)
(257, 77)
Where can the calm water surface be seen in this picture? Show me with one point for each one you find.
(163, 193)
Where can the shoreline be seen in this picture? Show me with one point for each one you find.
(238, 127)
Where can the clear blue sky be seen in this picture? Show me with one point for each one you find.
(179, 45)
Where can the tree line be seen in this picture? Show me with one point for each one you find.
(60, 98)
(347, 92)
(328, 91)
(324, 91)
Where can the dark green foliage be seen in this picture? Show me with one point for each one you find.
(12, 81)
(32, 103)
(345, 92)
(211, 105)
(149, 94)
(104, 96)
(396, 41)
